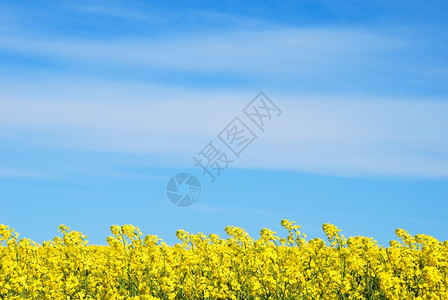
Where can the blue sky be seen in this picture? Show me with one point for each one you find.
(101, 102)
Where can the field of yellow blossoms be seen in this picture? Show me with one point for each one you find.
(133, 266)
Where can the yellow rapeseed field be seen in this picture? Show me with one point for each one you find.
(133, 266)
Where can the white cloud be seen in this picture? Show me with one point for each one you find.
(272, 52)
(362, 137)
(19, 173)
(121, 12)
(330, 135)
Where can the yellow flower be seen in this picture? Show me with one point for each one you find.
(210, 267)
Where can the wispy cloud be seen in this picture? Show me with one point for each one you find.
(121, 12)
(346, 136)
(338, 135)
(332, 135)
(18, 173)
(150, 15)
(337, 59)
(304, 52)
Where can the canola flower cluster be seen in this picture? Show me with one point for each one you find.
(210, 267)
